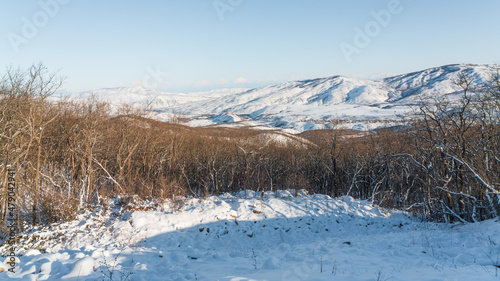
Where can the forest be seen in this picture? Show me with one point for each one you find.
(59, 157)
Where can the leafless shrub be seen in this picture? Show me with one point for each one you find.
(69, 155)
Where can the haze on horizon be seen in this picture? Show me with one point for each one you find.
(181, 46)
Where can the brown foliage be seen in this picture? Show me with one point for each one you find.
(68, 155)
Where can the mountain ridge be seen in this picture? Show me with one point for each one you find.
(311, 103)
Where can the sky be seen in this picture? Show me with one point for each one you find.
(188, 45)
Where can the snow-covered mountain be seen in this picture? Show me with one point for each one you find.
(308, 104)
(435, 81)
(152, 98)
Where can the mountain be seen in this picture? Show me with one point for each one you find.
(152, 98)
(309, 104)
(436, 81)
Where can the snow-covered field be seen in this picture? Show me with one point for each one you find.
(279, 236)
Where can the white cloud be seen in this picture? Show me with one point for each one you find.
(240, 80)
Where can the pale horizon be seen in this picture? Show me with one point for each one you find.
(188, 47)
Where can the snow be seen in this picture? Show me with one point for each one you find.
(154, 99)
(226, 117)
(306, 104)
(83, 267)
(246, 236)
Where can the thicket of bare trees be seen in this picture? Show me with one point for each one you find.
(457, 146)
(445, 166)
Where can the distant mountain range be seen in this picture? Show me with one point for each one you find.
(306, 104)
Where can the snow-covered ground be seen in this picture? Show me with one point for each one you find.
(280, 236)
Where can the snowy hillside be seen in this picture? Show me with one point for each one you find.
(152, 98)
(434, 81)
(246, 236)
(306, 104)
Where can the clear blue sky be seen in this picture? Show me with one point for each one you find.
(191, 45)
